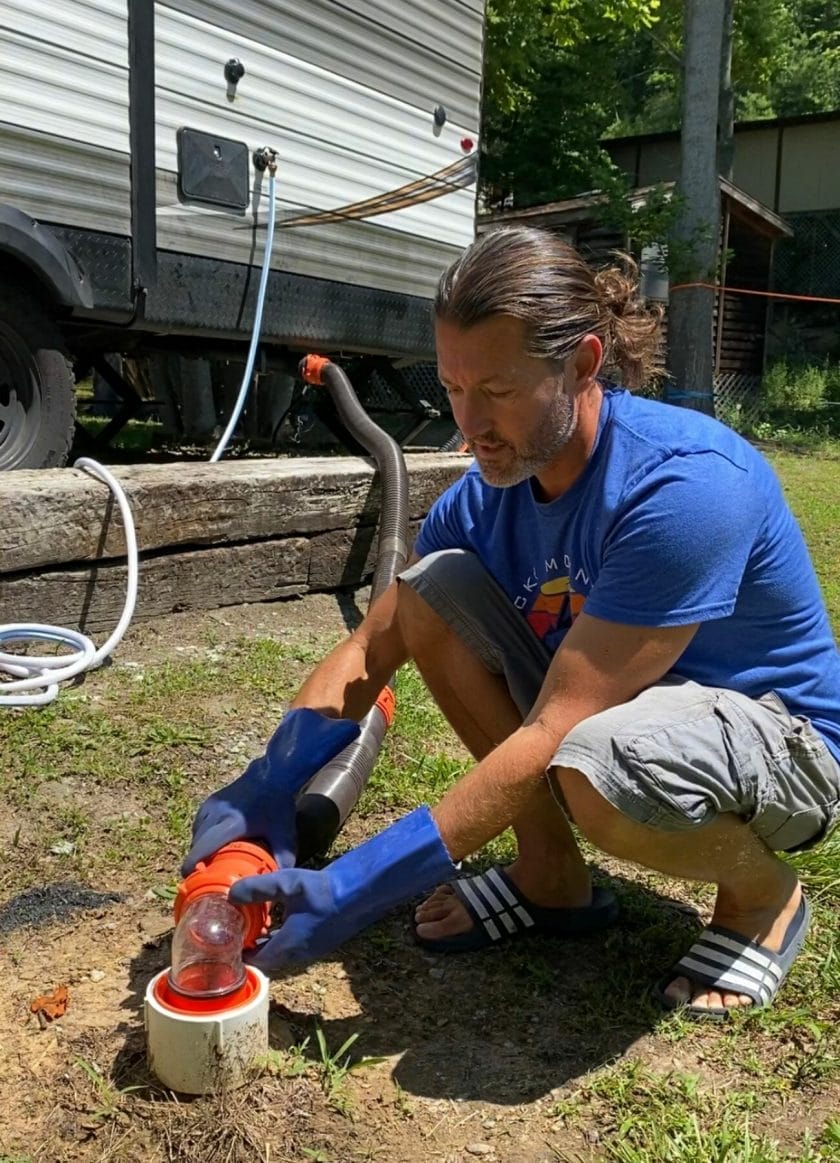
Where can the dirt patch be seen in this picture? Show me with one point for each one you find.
(483, 1056)
(307, 622)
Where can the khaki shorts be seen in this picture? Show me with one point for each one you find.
(675, 756)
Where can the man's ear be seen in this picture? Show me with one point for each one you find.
(585, 362)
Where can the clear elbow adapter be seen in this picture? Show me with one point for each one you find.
(210, 931)
(207, 948)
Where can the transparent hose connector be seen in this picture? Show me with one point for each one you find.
(207, 948)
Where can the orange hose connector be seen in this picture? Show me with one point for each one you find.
(180, 1003)
(312, 369)
(387, 703)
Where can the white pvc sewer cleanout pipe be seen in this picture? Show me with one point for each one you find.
(35, 679)
(203, 1052)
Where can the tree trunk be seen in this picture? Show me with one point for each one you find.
(693, 256)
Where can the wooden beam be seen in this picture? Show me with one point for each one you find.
(61, 516)
(91, 597)
(247, 531)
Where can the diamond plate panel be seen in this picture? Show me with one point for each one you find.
(106, 260)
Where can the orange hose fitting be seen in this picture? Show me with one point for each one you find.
(222, 870)
(312, 369)
(387, 703)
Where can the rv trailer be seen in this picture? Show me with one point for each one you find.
(137, 140)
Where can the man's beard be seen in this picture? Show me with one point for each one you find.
(557, 428)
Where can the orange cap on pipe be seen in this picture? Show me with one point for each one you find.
(223, 869)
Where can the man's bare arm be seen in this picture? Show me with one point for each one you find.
(599, 665)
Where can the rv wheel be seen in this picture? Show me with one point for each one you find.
(37, 391)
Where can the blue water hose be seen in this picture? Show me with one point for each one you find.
(255, 334)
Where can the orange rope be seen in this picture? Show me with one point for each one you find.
(763, 294)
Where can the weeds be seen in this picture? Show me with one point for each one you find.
(332, 1069)
(109, 1097)
(291, 1063)
(676, 1118)
(335, 1068)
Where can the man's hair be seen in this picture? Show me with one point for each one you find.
(536, 276)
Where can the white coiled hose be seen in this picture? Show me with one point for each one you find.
(35, 679)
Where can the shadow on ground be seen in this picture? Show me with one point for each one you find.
(505, 1026)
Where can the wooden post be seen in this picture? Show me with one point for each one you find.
(697, 233)
(726, 110)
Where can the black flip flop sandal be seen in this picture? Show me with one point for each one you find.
(500, 911)
(723, 960)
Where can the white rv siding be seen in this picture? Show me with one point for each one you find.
(64, 128)
(413, 50)
(73, 184)
(367, 251)
(345, 94)
(339, 141)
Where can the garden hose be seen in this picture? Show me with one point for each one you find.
(35, 679)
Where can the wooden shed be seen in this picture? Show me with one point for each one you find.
(749, 231)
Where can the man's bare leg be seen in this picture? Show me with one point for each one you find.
(758, 894)
(549, 869)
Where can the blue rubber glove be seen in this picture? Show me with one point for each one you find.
(322, 909)
(260, 804)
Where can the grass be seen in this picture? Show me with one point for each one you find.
(133, 751)
(130, 736)
(812, 486)
(138, 436)
(331, 1068)
(649, 1117)
(108, 1099)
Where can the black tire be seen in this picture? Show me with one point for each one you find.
(37, 386)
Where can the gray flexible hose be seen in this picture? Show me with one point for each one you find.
(333, 792)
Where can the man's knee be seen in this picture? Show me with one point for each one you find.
(591, 812)
(419, 623)
(447, 572)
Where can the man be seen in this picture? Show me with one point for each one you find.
(615, 610)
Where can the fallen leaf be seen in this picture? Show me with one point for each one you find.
(51, 1005)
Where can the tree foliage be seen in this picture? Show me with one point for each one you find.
(549, 75)
(561, 75)
(785, 62)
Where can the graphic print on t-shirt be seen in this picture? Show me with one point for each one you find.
(556, 607)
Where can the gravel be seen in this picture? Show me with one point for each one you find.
(51, 903)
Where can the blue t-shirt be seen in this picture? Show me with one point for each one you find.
(675, 519)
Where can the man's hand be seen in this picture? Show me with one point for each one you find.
(260, 804)
(323, 909)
